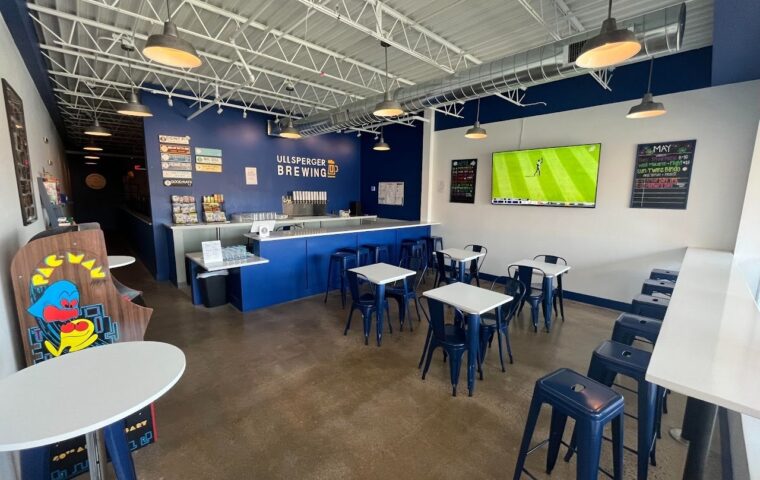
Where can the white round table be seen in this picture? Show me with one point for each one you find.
(79, 393)
(116, 261)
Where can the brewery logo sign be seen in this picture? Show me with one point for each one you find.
(293, 166)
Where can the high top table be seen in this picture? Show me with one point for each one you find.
(117, 261)
(709, 347)
(40, 405)
(381, 274)
(551, 270)
(473, 302)
(462, 256)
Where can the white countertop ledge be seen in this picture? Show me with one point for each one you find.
(380, 224)
(709, 344)
(277, 223)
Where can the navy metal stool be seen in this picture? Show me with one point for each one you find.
(361, 254)
(629, 327)
(650, 306)
(375, 249)
(662, 274)
(609, 360)
(339, 262)
(592, 405)
(433, 244)
(659, 286)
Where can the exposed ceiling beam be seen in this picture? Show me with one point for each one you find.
(400, 31)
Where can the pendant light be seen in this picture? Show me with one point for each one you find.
(648, 107)
(389, 107)
(380, 145)
(92, 157)
(476, 132)
(92, 148)
(613, 45)
(289, 131)
(168, 49)
(96, 130)
(133, 107)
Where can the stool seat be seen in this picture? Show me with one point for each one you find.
(629, 326)
(375, 249)
(649, 306)
(580, 395)
(624, 358)
(663, 274)
(651, 286)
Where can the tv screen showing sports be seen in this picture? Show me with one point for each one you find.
(556, 176)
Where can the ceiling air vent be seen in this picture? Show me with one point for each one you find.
(574, 50)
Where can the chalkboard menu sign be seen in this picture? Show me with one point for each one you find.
(663, 175)
(463, 173)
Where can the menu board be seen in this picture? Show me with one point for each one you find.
(176, 161)
(390, 193)
(663, 175)
(14, 109)
(463, 174)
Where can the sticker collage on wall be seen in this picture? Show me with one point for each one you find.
(176, 161)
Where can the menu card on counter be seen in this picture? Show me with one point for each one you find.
(663, 175)
(463, 174)
(212, 252)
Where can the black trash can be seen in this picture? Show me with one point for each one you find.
(213, 288)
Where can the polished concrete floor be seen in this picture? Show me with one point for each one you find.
(280, 393)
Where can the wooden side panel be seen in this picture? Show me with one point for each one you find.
(66, 300)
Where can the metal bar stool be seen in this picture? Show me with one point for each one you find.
(658, 286)
(649, 306)
(629, 327)
(339, 262)
(592, 405)
(662, 274)
(361, 253)
(375, 249)
(611, 359)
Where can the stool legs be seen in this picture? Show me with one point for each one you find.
(555, 438)
(530, 425)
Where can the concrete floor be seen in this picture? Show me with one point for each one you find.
(280, 393)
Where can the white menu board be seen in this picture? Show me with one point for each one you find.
(390, 193)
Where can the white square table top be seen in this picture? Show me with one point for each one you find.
(382, 273)
(550, 269)
(467, 298)
(462, 255)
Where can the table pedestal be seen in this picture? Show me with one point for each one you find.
(96, 454)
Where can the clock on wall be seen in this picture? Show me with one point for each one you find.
(95, 181)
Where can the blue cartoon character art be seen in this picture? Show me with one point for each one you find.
(64, 324)
(58, 306)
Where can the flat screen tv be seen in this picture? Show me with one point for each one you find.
(556, 176)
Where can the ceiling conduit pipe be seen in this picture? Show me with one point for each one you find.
(660, 32)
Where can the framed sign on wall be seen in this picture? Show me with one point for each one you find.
(463, 175)
(14, 109)
(390, 193)
(662, 176)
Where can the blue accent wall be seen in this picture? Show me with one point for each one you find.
(244, 143)
(675, 73)
(736, 41)
(403, 163)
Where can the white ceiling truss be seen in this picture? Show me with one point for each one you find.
(295, 57)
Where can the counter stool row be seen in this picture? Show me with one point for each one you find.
(592, 402)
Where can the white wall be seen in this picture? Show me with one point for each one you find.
(611, 248)
(747, 250)
(13, 234)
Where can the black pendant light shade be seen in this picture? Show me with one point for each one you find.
(288, 130)
(381, 145)
(134, 108)
(167, 48)
(613, 45)
(648, 107)
(97, 130)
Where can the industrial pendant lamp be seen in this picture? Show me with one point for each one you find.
(476, 132)
(96, 130)
(133, 107)
(389, 107)
(168, 49)
(380, 145)
(92, 148)
(288, 130)
(648, 107)
(613, 45)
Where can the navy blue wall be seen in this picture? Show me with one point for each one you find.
(736, 41)
(675, 73)
(403, 163)
(244, 143)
